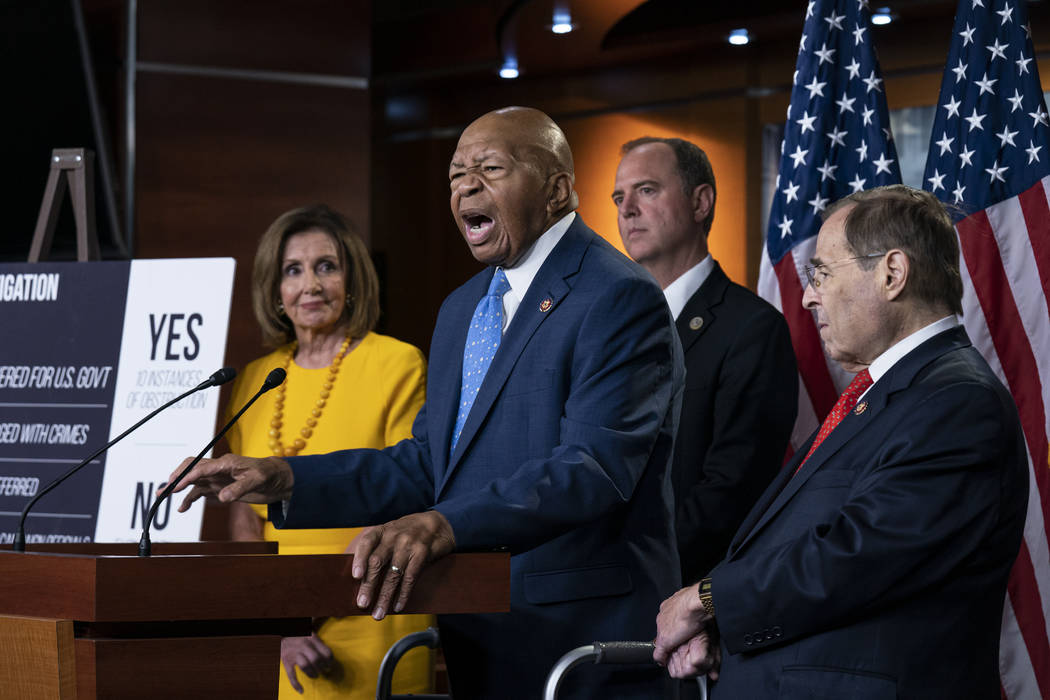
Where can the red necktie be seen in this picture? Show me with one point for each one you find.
(844, 405)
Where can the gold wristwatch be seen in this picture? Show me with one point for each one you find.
(705, 596)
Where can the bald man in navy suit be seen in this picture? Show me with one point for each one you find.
(560, 454)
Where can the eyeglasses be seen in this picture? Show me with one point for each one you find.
(816, 274)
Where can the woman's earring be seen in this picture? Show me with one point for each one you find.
(349, 302)
(280, 308)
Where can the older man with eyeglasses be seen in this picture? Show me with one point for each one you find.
(876, 564)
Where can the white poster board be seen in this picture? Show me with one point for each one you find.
(101, 346)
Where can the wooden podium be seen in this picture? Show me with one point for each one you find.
(195, 620)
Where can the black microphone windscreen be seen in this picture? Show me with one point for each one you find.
(274, 378)
(222, 376)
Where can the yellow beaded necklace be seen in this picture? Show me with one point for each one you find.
(276, 446)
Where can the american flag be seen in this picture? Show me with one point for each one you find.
(990, 155)
(837, 141)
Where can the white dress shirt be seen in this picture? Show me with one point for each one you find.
(882, 364)
(521, 275)
(682, 289)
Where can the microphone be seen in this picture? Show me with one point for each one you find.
(219, 377)
(274, 378)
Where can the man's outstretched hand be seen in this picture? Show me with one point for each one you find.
(235, 478)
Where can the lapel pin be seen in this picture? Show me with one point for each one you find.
(861, 408)
(546, 305)
(696, 322)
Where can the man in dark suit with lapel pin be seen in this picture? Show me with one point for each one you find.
(553, 393)
(876, 565)
(741, 384)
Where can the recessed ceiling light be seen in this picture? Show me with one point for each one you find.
(562, 22)
(882, 16)
(739, 37)
(509, 70)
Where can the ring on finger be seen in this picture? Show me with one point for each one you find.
(396, 569)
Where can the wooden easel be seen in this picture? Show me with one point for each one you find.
(78, 166)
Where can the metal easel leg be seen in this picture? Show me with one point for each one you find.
(77, 167)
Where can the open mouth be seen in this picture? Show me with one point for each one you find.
(477, 226)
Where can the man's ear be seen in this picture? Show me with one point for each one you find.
(562, 196)
(893, 273)
(702, 200)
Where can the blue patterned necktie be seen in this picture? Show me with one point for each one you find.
(483, 337)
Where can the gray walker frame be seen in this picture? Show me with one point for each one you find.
(597, 653)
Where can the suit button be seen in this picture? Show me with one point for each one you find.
(747, 640)
(777, 633)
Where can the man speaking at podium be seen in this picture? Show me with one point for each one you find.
(553, 395)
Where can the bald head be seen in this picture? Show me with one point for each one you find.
(512, 179)
(532, 133)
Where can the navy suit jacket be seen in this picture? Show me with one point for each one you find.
(563, 460)
(741, 382)
(879, 570)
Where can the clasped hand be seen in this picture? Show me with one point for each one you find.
(687, 637)
(388, 558)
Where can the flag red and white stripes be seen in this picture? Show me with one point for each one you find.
(1006, 302)
(990, 155)
(836, 141)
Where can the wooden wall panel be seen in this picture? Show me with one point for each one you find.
(218, 158)
(308, 36)
(426, 257)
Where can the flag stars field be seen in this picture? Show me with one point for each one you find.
(837, 123)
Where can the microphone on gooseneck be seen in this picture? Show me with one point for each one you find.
(219, 377)
(273, 379)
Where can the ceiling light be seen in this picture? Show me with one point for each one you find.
(881, 16)
(739, 37)
(562, 22)
(509, 69)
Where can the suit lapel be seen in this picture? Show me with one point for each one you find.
(874, 401)
(699, 312)
(446, 370)
(899, 377)
(546, 292)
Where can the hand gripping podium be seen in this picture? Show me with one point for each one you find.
(195, 620)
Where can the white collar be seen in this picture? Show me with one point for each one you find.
(521, 275)
(679, 292)
(882, 364)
